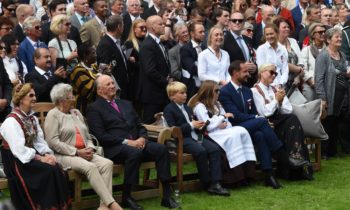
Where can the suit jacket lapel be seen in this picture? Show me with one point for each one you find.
(114, 45)
(237, 97)
(165, 57)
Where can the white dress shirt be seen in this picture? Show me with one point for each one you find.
(266, 54)
(267, 110)
(41, 72)
(244, 45)
(212, 68)
(12, 68)
(12, 132)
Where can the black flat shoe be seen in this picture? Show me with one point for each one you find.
(272, 182)
(217, 189)
(169, 203)
(308, 172)
(131, 204)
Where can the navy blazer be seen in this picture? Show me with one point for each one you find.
(26, 51)
(232, 102)
(174, 117)
(257, 35)
(297, 16)
(110, 127)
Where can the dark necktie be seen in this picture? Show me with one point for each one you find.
(47, 74)
(239, 90)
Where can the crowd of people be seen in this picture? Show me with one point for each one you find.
(221, 70)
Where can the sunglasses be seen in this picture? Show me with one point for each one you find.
(251, 18)
(68, 24)
(2, 47)
(320, 32)
(249, 30)
(37, 27)
(273, 73)
(236, 20)
(143, 28)
(31, 95)
(7, 28)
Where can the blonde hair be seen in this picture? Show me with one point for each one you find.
(174, 87)
(132, 36)
(20, 91)
(56, 23)
(211, 33)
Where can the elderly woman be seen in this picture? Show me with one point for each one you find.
(274, 52)
(61, 47)
(332, 86)
(83, 77)
(69, 137)
(308, 58)
(36, 181)
(273, 104)
(213, 62)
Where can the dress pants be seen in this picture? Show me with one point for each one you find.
(132, 158)
(99, 172)
(264, 138)
(208, 150)
(149, 110)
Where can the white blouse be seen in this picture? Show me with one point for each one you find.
(12, 132)
(266, 54)
(212, 68)
(66, 51)
(268, 109)
(12, 68)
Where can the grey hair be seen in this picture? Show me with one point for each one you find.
(60, 92)
(29, 22)
(330, 32)
(179, 26)
(127, 2)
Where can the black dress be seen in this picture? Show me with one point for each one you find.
(34, 185)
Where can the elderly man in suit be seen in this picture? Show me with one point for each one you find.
(57, 7)
(155, 70)
(267, 13)
(109, 51)
(81, 13)
(133, 13)
(239, 101)
(32, 27)
(5, 92)
(117, 127)
(92, 31)
(117, 7)
(181, 33)
(22, 12)
(189, 58)
(239, 47)
(42, 78)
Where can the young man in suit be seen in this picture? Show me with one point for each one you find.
(109, 51)
(117, 127)
(32, 28)
(92, 31)
(42, 78)
(133, 13)
(154, 70)
(205, 152)
(189, 57)
(239, 47)
(22, 12)
(239, 101)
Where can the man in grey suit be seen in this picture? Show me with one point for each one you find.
(181, 33)
(81, 13)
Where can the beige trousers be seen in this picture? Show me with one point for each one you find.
(99, 172)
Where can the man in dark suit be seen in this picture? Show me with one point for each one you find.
(5, 92)
(153, 10)
(42, 78)
(155, 70)
(267, 13)
(189, 58)
(32, 27)
(117, 127)
(57, 7)
(133, 13)
(109, 52)
(239, 47)
(22, 12)
(239, 101)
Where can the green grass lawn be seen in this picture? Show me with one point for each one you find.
(329, 190)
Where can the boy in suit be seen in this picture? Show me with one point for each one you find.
(206, 153)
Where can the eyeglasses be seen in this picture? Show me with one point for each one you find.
(217, 90)
(320, 32)
(68, 24)
(31, 95)
(236, 20)
(273, 73)
(143, 28)
(249, 30)
(37, 27)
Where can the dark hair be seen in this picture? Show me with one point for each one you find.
(95, 3)
(235, 66)
(5, 21)
(83, 50)
(9, 40)
(54, 3)
(218, 12)
(113, 22)
(192, 26)
(280, 20)
(311, 7)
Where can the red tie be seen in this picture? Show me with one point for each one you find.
(114, 105)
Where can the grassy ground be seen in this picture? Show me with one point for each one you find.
(329, 190)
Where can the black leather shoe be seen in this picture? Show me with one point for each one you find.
(169, 203)
(272, 182)
(308, 172)
(131, 204)
(217, 189)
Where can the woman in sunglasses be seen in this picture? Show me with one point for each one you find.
(234, 140)
(273, 104)
(308, 58)
(28, 160)
(63, 50)
(132, 46)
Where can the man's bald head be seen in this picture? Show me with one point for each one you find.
(155, 25)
